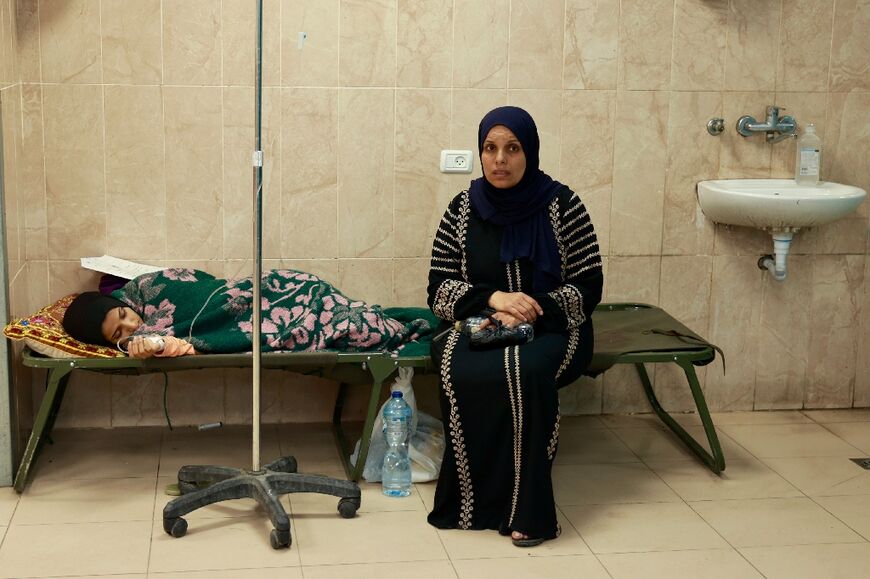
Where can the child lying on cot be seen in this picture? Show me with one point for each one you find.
(195, 313)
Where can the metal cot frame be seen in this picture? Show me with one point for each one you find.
(371, 369)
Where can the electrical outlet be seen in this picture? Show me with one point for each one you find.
(456, 161)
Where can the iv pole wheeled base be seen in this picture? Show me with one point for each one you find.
(265, 486)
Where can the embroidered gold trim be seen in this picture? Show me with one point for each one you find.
(554, 440)
(457, 438)
(515, 394)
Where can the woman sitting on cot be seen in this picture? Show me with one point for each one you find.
(195, 313)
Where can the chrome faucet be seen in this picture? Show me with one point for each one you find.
(775, 128)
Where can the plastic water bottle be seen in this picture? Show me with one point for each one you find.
(396, 472)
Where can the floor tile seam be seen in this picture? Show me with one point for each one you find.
(744, 460)
(153, 522)
(71, 523)
(567, 519)
(850, 527)
(588, 546)
(673, 502)
(860, 450)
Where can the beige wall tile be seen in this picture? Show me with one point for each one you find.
(316, 63)
(192, 125)
(734, 321)
(325, 269)
(837, 294)
(862, 374)
(545, 106)
(238, 37)
(367, 43)
(753, 33)
(629, 279)
(10, 114)
(135, 173)
(138, 400)
(28, 52)
(37, 282)
(804, 45)
(639, 167)
(534, 59)
(845, 138)
(737, 240)
(582, 397)
(699, 44)
(686, 283)
(410, 279)
(693, 155)
(469, 108)
(87, 402)
(481, 36)
(309, 157)
(422, 192)
(191, 42)
(784, 337)
(850, 68)
(369, 280)
(366, 164)
(424, 51)
(31, 173)
(74, 175)
(588, 121)
(66, 277)
(8, 42)
(238, 179)
(131, 41)
(196, 396)
(591, 44)
(69, 38)
(646, 30)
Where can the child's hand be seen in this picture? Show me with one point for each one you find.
(144, 346)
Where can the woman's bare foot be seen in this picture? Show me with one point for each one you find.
(522, 540)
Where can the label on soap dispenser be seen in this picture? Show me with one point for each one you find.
(809, 163)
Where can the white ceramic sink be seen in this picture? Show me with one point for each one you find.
(776, 204)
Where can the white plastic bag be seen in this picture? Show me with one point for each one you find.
(426, 446)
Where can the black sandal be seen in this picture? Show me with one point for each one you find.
(527, 542)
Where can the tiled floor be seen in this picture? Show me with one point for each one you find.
(632, 503)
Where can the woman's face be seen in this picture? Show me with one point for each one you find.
(120, 323)
(503, 159)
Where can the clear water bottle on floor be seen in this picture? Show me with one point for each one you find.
(396, 472)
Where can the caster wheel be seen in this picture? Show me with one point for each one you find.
(280, 539)
(347, 508)
(175, 527)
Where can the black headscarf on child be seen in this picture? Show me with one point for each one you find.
(521, 209)
(84, 317)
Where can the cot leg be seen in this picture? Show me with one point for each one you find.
(43, 422)
(380, 369)
(716, 460)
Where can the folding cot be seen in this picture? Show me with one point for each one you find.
(625, 333)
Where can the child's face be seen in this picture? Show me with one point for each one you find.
(120, 323)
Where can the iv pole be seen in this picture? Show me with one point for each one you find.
(205, 485)
(256, 279)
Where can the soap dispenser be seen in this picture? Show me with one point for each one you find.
(809, 157)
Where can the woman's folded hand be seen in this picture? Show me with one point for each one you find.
(519, 305)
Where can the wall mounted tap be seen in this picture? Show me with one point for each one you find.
(775, 128)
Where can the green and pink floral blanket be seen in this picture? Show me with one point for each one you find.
(300, 312)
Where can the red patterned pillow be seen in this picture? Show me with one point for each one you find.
(44, 333)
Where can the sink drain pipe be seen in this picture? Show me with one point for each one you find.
(775, 263)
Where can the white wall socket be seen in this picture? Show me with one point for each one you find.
(456, 161)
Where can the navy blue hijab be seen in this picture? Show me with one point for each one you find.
(521, 209)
